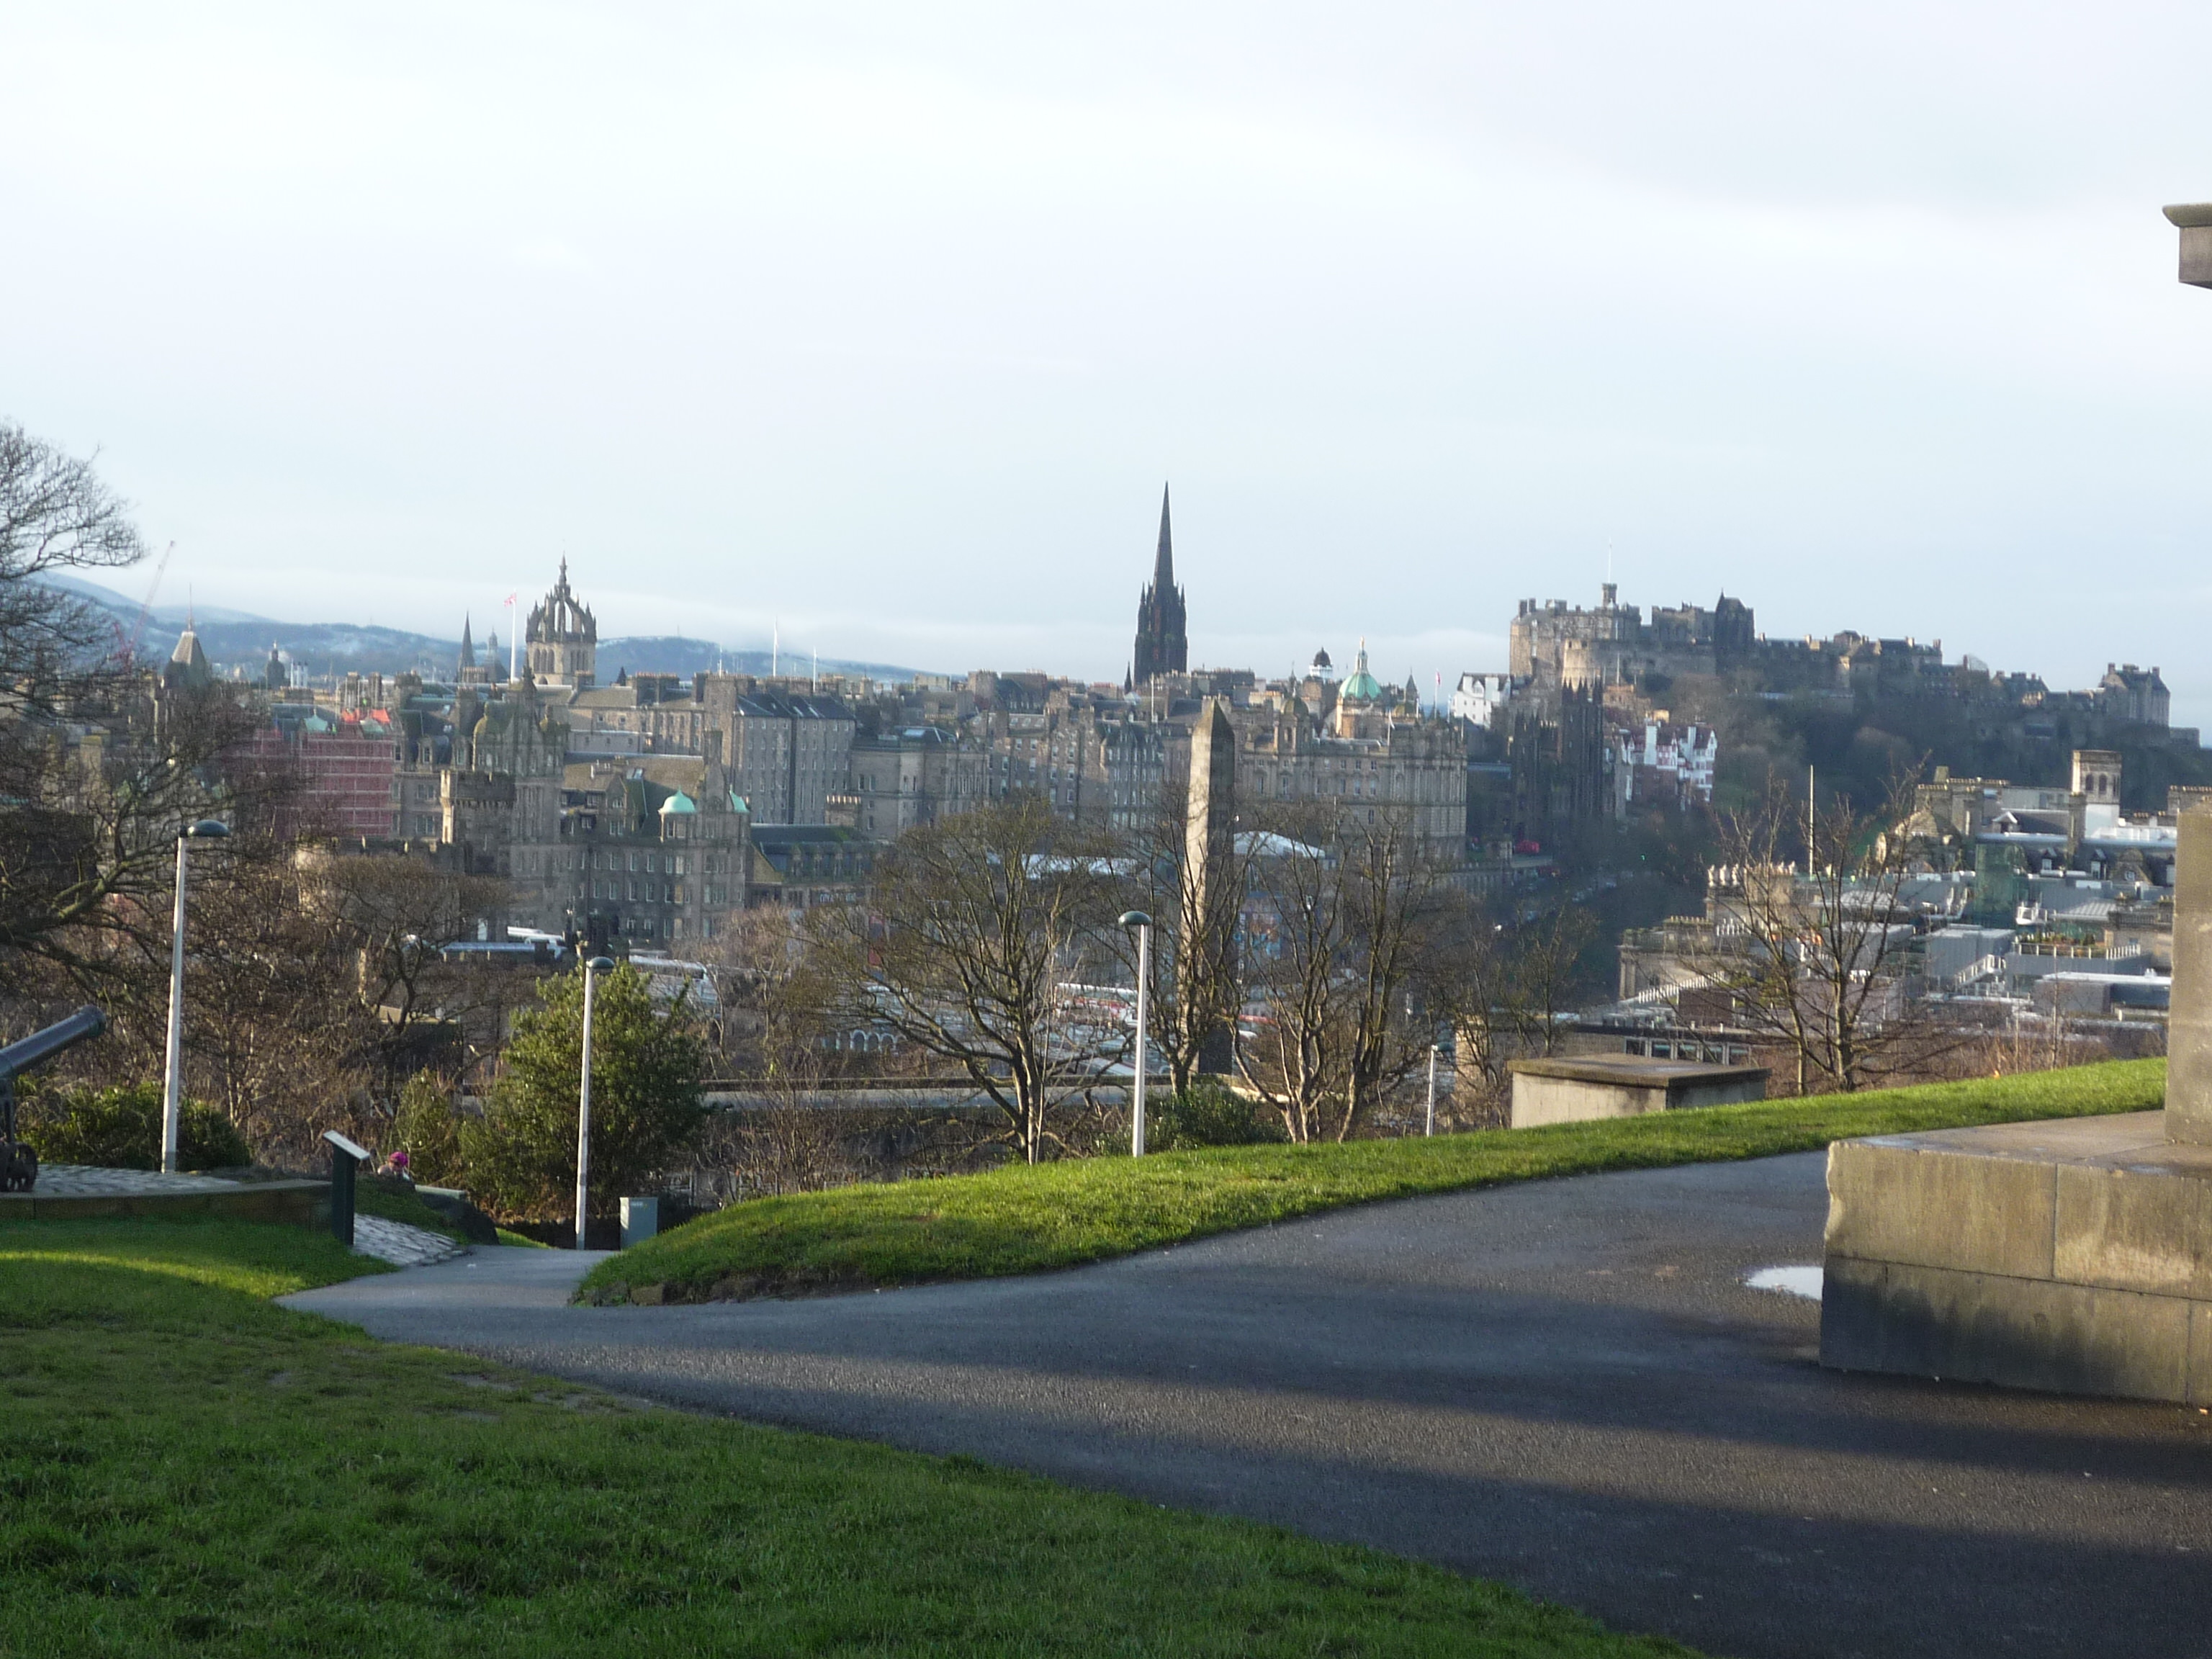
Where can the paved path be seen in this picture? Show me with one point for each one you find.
(1565, 1385)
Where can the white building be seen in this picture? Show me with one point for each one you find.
(1673, 764)
(1480, 697)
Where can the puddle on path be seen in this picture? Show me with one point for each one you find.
(1791, 1282)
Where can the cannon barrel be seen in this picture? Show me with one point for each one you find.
(19, 1164)
(42, 1046)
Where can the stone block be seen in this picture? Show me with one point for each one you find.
(1893, 1199)
(2135, 1228)
(2189, 1026)
(2032, 1334)
(1580, 1089)
(2073, 1256)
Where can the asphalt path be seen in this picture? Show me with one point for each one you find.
(1566, 1385)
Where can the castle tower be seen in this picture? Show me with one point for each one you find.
(563, 638)
(1161, 647)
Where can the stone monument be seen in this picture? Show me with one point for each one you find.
(2073, 1256)
(1209, 898)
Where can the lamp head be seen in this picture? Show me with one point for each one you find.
(1135, 918)
(599, 964)
(207, 829)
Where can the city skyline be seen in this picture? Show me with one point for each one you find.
(888, 332)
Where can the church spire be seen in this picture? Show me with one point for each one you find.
(1164, 566)
(468, 646)
(1161, 645)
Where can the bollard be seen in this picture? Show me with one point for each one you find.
(640, 1218)
(346, 1159)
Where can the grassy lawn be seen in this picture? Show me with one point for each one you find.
(188, 1468)
(1057, 1215)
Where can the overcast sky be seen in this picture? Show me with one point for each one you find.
(888, 322)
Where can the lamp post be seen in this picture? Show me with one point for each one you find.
(1431, 1128)
(1141, 925)
(172, 1066)
(593, 969)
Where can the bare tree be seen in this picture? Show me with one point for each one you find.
(396, 915)
(1538, 975)
(1344, 972)
(1812, 950)
(96, 774)
(771, 1018)
(976, 923)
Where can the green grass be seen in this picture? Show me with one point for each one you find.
(187, 1468)
(520, 1241)
(1057, 1215)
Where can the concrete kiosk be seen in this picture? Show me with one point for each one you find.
(1624, 1085)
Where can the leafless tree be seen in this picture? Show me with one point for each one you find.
(96, 774)
(772, 1015)
(1343, 976)
(396, 914)
(1811, 921)
(976, 923)
(1537, 978)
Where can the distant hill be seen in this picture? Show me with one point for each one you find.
(240, 638)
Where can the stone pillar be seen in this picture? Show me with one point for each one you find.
(1209, 901)
(2189, 1029)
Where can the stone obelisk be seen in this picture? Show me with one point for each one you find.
(1209, 899)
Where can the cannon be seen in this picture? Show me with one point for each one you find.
(19, 1164)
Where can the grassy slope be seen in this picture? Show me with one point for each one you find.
(188, 1468)
(1024, 1220)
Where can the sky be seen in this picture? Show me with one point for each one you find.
(884, 326)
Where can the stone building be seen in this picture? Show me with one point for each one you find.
(563, 638)
(1412, 767)
(914, 775)
(658, 854)
(786, 753)
(2136, 695)
(642, 715)
(1555, 648)
(1161, 646)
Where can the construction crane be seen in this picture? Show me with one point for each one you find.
(128, 646)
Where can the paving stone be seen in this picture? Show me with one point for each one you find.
(88, 1181)
(400, 1245)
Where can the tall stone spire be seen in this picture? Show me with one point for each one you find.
(468, 646)
(1161, 645)
(1163, 565)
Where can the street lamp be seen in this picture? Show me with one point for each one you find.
(593, 969)
(1431, 1128)
(173, 1068)
(1141, 924)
